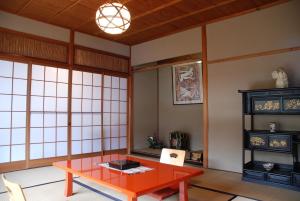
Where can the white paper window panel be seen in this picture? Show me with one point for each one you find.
(19, 103)
(63, 75)
(36, 120)
(123, 143)
(62, 148)
(86, 105)
(107, 144)
(18, 152)
(5, 137)
(123, 118)
(49, 150)
(96, 132)
(36, 135)
(50, 104)
(50, 89)
(18, 136)
(50, 74)
(37, 88)
(77, 77)
(106, 106)
(115, 94)
(6, 68)
(76, 133)
(5, 103)
(106, 131)
(37, 103)
(49, 119)
(115, 131)
(87, 146)
(123, 130)
(123, 107)
(115, 106)
(96, 106)
(87, 132)
(62, 119)
(62, 90)
(97, 145)
(5, 119)
(20, 70)
(115, 82)
(62, 105)
(4, 154)
(106, 118)
(123, 83)
(62, 134)
(36, 151)
(76, 91)
(38, 72)
(96, 92)
(6, 85)
(76, 119)
(18, 119)
(87, 119)
(123, 95)
(76, 147)
(76, 105)
(20, 87)
(107, 81)
(49, 134)
(97, 119)
(87, 78)
(107, 93)
(114, 143)
(87, 92)
(114, 119)
(97, 80)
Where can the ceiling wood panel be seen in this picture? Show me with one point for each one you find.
(150, 18)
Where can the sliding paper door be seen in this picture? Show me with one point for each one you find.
(13, 90)
(49, 112)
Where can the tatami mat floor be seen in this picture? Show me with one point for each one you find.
(47, 184)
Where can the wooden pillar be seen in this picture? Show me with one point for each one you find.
(70, 64)
(28, 108)
(205, 97)
(130, 107)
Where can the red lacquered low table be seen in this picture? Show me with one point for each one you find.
(133, 185)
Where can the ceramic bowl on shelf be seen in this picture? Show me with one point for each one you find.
(268, 166)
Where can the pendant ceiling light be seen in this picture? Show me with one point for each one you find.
(113, 18)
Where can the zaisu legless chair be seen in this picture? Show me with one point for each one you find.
(14, 190)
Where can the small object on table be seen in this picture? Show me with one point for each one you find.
(123, 164)
(196, 155)
(268, 166)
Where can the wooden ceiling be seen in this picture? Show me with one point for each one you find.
(150, 18)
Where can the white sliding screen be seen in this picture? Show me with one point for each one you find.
(86, 112)
(13, 91)
(49, 112)
(114, 113)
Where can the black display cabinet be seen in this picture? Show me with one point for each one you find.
(271, 102)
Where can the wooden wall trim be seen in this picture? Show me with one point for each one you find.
(254, 55)
(130, 116)
(205, 97)
(100, 51)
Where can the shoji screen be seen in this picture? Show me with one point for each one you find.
(13, 90)
(86, 112)
(49, 112)
(114, 112)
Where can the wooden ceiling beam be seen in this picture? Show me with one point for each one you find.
(63, 10)
(93, 18)
(179, 17)
(24, 6)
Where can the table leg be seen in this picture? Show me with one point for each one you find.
(131, 198)
(183, 191)
(69, 184)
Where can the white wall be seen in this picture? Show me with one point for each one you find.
(26, 25)
(179, 44)
(273, 28)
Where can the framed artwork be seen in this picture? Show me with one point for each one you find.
(187, 83)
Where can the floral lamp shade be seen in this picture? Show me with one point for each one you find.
(113, 18)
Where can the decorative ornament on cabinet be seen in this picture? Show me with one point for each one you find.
(281, 78)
